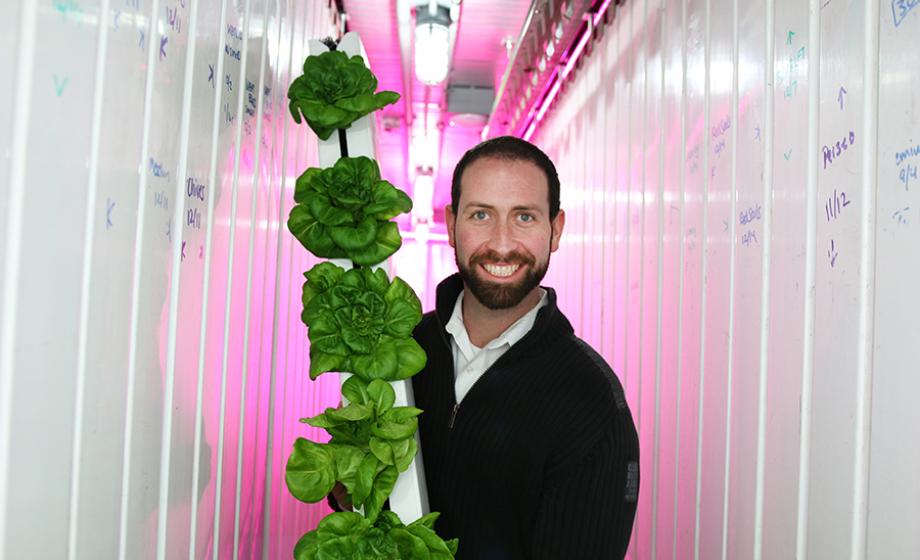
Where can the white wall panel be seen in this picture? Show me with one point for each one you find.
(779, 380)
(715, 376)
(746, 219)
(789, 193)
(840, 242)
(109, 298)
(146, 313)
(894, 488)
(695, 161)
(49, 263)
(11, 58)
(670, 281)
(650, 206)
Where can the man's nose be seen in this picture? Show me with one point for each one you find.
(502, 239)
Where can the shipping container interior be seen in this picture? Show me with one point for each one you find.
(741, 245)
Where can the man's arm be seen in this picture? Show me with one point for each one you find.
(588, 507)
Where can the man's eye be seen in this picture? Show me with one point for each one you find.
(478, 215)
(526, 218)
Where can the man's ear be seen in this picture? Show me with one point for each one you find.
(558, 224)
(450, 220)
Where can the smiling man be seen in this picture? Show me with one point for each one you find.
(529, 447)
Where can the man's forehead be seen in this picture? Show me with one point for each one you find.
(538, 185)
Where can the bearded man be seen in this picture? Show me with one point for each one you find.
(529, 447)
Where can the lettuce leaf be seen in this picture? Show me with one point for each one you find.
(334, 91)
(360, 322)
(344, 211)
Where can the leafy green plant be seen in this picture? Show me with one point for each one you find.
(372, 442)
(334, 91)
(349, 535)
(360, 322)
(344, 212)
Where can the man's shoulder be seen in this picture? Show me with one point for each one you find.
(589, 378)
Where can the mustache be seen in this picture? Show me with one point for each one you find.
(514, 257)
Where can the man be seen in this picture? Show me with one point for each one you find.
(529, 447)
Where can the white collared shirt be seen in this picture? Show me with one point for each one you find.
(470, 361)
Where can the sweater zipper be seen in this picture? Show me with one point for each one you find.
(453, 416)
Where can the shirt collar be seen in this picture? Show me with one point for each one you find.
(510, 336)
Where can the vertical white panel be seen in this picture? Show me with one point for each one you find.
(50, 150)
(254, 285)
(17, 53)
(894, 488)
(206, 193)
(716, 395)
(638, 389)
(620, 203)
(671, 164)
(107, 330)
(275, 532)
(594, 189)
(651, 207)
(10, 54)
(193, 193)
(177, 447)
(633, 13)
(147, 368)
(274, 379)
(237, 271)
(752, 135)
(575, 247)
(298, 141)
(788, 235)
(252, 505)
(703, 529)
(841, 135)
(608, 223)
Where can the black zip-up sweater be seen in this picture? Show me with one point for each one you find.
(540, 460)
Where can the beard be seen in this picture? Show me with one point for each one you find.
(503, 295)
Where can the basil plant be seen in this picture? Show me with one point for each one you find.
(334, 91)
(360, 322)
(344, 211)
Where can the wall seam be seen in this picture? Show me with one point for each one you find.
(867, 283)
(766, 267)
(814, 105)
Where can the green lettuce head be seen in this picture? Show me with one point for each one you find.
(347, 535)
(335, 91)
(344, 211)
(360, 322)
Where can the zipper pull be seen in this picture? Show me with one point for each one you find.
(453, 416)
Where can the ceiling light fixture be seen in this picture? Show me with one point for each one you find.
(567, 69)
(432, 44)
